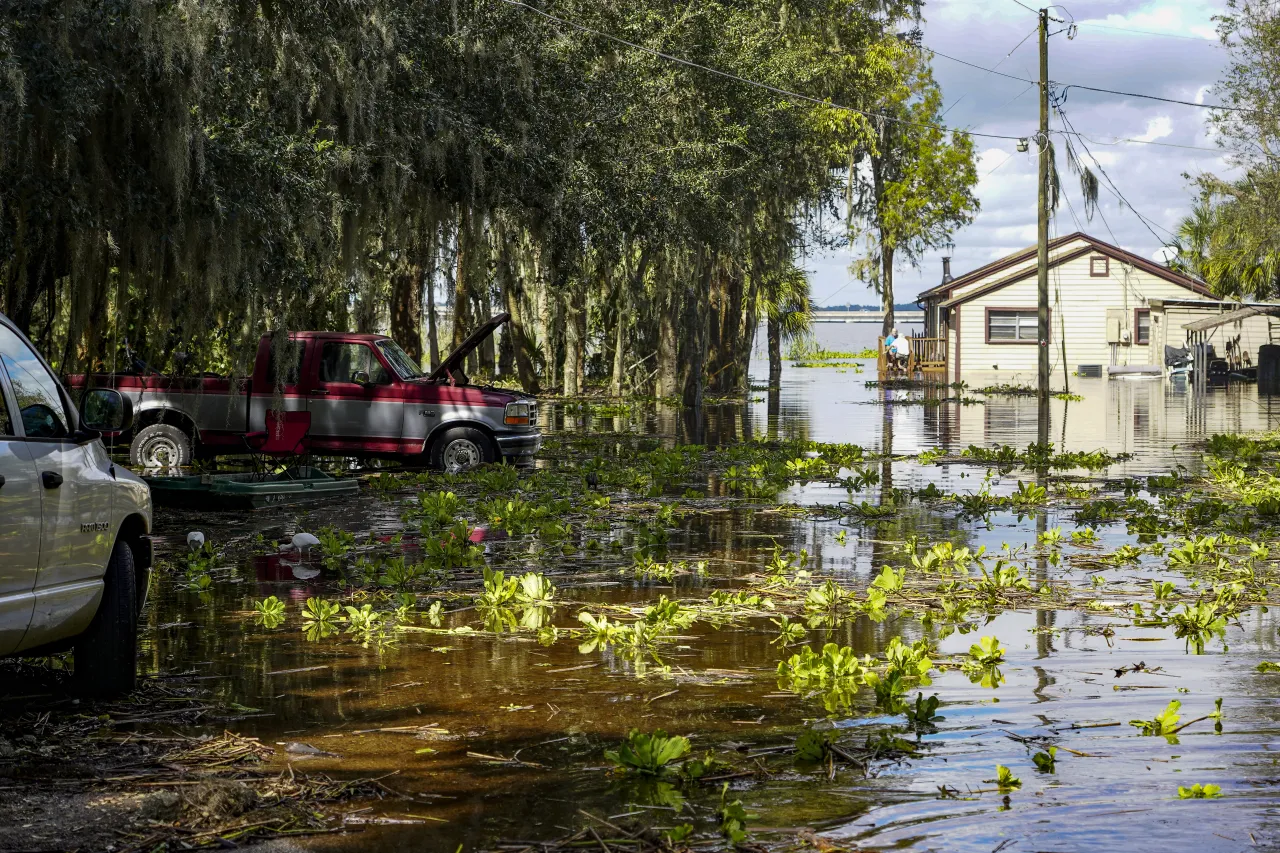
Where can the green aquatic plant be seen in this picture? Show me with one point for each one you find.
(890, 581)
(813, 744)
(1028, 495)
(733, 818)
(499, 590)
(1165, 723)
(1005, 780)
(1199, 792)
(789, 632)
(452, 548)
(648, 754)
(320, 618)
(269, 612)
(987, 651)
(923, 716)
(535, 589)
(1047, 761)
(808, 668)
(437, 509)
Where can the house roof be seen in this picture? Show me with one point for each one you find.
(1092, 245)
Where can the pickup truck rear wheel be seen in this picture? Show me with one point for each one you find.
(461, 449)
(160, 446)
(106, 656)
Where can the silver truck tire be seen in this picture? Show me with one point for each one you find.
(106, 655)
(461, 449)
(160, 446)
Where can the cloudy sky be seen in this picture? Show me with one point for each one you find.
(1166, 48)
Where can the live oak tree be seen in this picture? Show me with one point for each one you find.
(186, 176)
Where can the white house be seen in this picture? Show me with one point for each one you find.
(1100, 298)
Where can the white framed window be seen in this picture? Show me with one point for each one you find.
(1011, 325)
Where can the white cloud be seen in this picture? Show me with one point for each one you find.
(1157, 128)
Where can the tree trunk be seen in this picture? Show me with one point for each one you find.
(775, 352)
(697, 316)
(488, 363)
(619, 352)
(515, 337)
(668, 366)
(463, 285)
(574, 321)
(886, 286)
(406, 308)
(433, 334)
(547, 319)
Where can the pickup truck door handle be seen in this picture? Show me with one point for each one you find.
(320, 391)
(51, 479)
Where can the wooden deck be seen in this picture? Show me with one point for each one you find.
(928, 360)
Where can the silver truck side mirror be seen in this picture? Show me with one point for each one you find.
(361, 377)
(105, 410)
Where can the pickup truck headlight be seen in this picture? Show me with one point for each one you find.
(516, 414)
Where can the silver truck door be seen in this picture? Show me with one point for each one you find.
(19, 526)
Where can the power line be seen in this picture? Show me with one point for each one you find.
(1131, 141)
(1034, 30)
(980, 67)
(1111, 184)
(1200, 39)
(1070, 86)
(1067, 87)
(745, 80)
(1025, 6)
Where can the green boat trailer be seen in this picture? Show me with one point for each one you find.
(247, 490)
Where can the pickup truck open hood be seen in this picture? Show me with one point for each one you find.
(454, 360)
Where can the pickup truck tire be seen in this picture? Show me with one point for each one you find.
(106, 656)
(160, 446)
(461, 449)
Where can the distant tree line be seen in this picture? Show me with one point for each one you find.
(185, 176)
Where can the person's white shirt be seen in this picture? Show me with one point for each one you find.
(901, 346)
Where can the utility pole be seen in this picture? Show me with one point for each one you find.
(1042, 233)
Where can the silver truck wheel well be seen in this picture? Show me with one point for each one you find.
(435, 434)
(172, 417)
(132, 529)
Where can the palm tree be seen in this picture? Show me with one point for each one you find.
(783, 300)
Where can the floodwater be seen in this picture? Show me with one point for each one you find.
(466, 702)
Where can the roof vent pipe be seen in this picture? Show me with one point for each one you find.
(946, 270)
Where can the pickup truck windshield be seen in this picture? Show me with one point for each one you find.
(405, 366)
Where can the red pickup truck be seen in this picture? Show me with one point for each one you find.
(365, 395)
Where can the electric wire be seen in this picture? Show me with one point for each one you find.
(1066, 87)
(1206, 41)
(1111, 184)
(746, 80)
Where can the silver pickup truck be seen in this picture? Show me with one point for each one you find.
(365, 396)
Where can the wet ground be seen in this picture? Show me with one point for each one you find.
(500, 735)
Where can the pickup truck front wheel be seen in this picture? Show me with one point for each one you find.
(160, 446)
(461, 449)
(106, 656)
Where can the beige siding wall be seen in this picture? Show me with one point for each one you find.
(1082, 311)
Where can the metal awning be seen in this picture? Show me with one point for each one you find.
(1232, 317)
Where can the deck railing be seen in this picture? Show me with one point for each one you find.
(928, 356)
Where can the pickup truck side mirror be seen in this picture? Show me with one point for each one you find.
(361, 377)
(105, 410)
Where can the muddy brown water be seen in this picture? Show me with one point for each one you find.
(557, 708)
